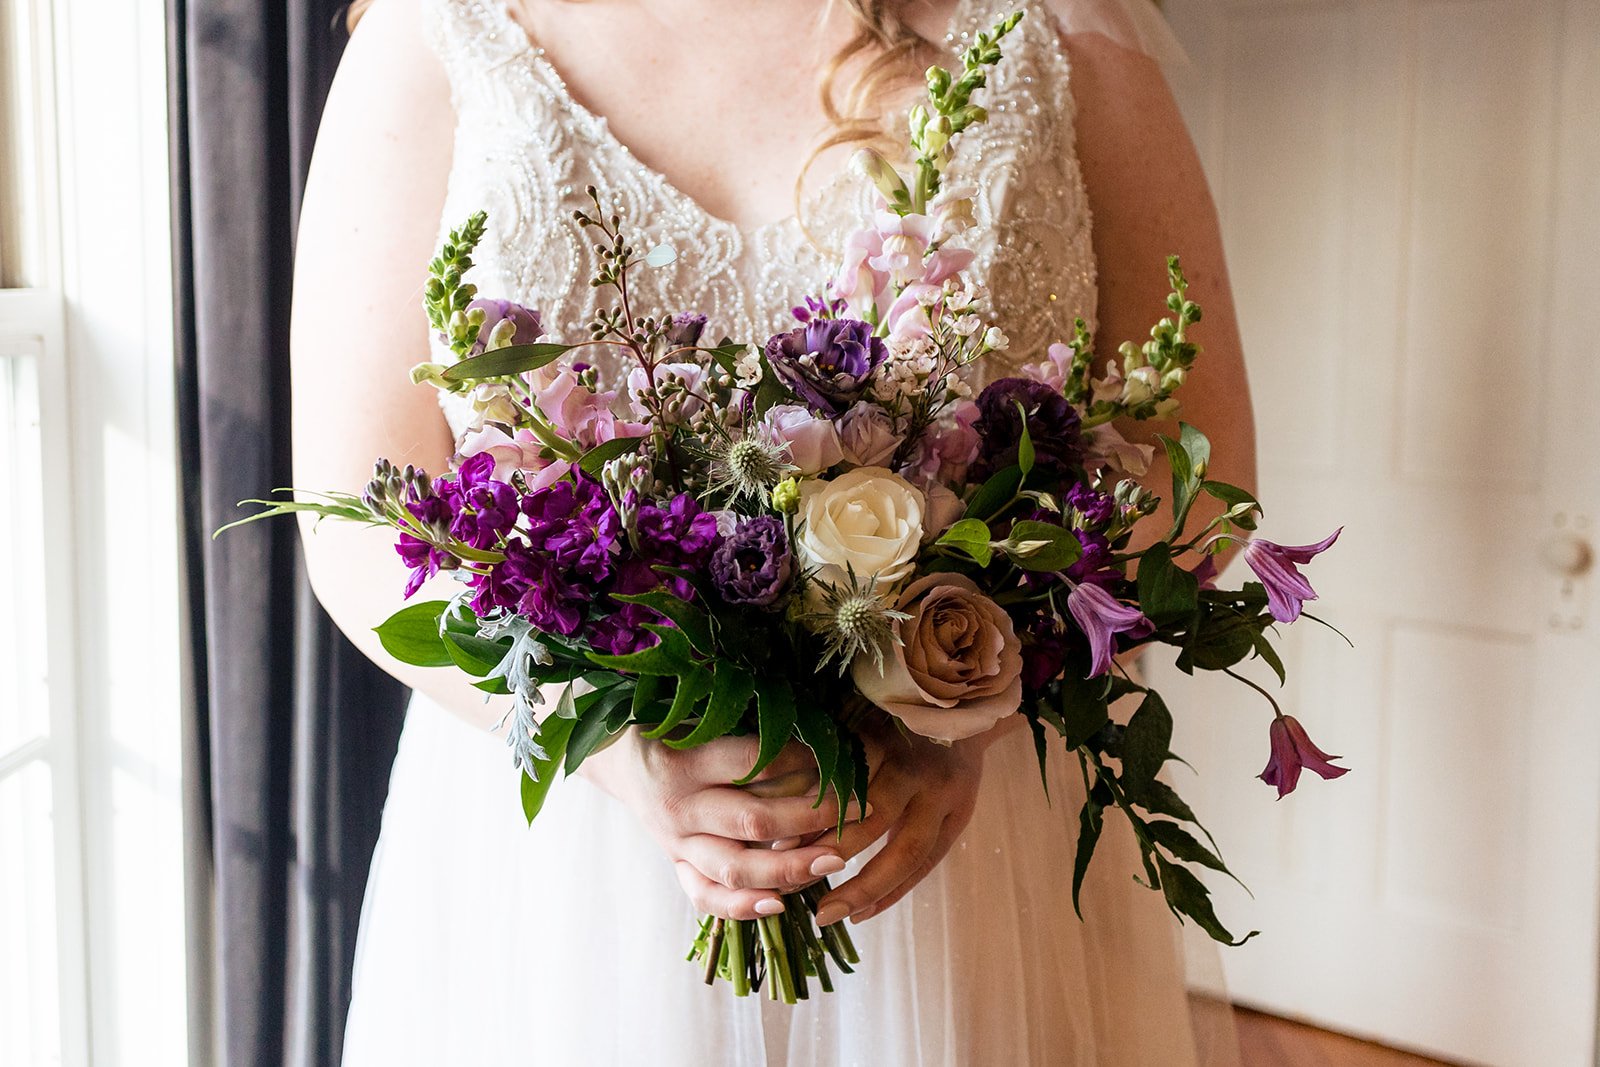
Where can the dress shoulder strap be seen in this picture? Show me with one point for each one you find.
(472, 38)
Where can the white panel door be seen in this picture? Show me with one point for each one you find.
(1410, 192)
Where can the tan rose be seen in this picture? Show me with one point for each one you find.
(958, 668)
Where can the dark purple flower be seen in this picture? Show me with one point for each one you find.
(622, 630)
(1292, 751)
(575, 523)
(817, 308)
(1052, 426)
(1274, 564)
(685, 330)
(753, 564)
(1096, 508)
(1044, 653)
(536, 587)
(485, 509)
(679, 535)
(827, 362)
(1101, 617)
(525, 324)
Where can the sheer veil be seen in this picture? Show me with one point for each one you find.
(1137, 25)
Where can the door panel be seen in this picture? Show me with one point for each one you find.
(1409, 197)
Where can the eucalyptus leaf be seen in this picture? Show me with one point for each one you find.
(513, 359)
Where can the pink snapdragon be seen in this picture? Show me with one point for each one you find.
(582, 415)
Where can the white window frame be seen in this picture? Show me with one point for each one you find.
(99, 325)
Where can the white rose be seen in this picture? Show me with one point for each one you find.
(868, 520)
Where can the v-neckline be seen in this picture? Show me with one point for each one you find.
(539, 63)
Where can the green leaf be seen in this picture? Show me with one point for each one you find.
(862, 777)
(1223, 639)
(994, 494)
(411, 635)
(1159, 798)
(670, 656)
(603, 453)
(513, 359)
(731, 689)
(1233, 497)
(1025, 453)
(593, 725)
(688, 618)
(1265, 650)
(1178, 841)
(1041, 749)
(972, 537)
(1089, 825)
(553, 736)
(1084, 707)
(1039, 546)
(645, 691)
(692, 689)
(775, 715)
(1146, 743)
(1187, 895)
(1196, 446)
(349, 509)
(817, 730)
(1167, 593)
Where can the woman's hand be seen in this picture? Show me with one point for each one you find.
(716, 833)
(922, 797)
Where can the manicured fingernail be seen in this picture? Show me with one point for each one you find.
(832, 912)
(826, 865)
(787, 843)
(769, 906)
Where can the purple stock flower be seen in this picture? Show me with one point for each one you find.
(485, 509)
(1053, 427)
(575, 523)
(536, 587)
(1101, 617)
(1274, 564)
(622, 630)
(1097, 508)
(827, 362)
(679, 535)
(753, 564)
(525, 325)
(1292, 751)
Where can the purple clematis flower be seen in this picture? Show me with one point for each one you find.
(1274, 564)
(1101, 617)
(827, 362)
(1292, 750)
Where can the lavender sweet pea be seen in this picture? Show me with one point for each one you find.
(827, 362)
(753, 565)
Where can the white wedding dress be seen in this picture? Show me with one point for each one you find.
(486, 942)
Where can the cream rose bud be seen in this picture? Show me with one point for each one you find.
(868, 520)
(957, 668)
(813, 443)
(944, 509)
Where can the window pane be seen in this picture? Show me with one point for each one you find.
(23, 713)
(30, 1029)
(18, 148)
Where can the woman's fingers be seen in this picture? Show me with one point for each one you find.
(735, 814)
(709, 898)
(907, 855)
(734, 866)
(948, 835)
(729, 759)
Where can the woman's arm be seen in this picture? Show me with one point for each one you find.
(1150, 200)
(367, 229)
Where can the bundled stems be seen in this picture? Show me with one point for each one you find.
(783, 951)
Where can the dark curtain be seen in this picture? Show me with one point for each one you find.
(290, 731)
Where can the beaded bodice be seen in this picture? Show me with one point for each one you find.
(525, 150)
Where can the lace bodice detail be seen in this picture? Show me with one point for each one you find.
(525, 150)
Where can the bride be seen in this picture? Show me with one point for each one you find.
(485, 942)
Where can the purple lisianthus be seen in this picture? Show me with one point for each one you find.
(575, 523)
(827, 362)
(507, 323)
(753, 564)
(1053, 427)
(1293, 751)
(685, 330)
(1275, 565)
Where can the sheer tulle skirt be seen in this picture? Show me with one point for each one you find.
(486, 942)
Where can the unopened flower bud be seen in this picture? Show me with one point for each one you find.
(877, 170)
(786, 496)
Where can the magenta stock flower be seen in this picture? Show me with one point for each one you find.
(1292, 750)
(1101, 617)
(1274, 564)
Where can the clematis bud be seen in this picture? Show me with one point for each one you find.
(1293, 751)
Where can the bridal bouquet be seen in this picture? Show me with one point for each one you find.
(790, 536)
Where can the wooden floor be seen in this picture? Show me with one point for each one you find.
(1267, 1041)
